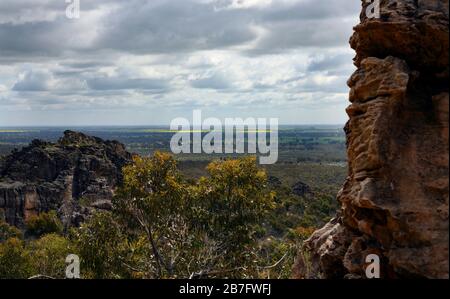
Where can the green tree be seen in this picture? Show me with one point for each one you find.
(48, 255)
(234, 200)
(231, 205)
(100, 243)
(206, 228)
(152, 201)
(15, 260)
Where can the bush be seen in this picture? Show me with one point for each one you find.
(233, 202)
(275, 258)
(15, 261)
(100, 244)
(48, 255)
(7, 231)
(45, 223)
(45, 256)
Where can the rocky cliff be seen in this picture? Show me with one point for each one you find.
(394, 202)
(72, 176)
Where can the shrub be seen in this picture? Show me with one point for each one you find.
(7, 231)
(15, 261)
(234, 201)
(48, 255)
(100, 244)
(45, 223)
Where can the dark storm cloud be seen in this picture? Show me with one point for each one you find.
(40, 38)
(86, 65)
(216, 81)
(180, 26)
(19, 7)
(329, 62)
(32, 29)
(290, 35)
(173, 26)
(118, 83)
(308, 23)
(310, 10)
(69, 73)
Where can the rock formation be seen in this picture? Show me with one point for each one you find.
(72, 176)
(394, 202)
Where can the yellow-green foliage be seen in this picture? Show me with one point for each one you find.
(101, 244)
(162, 226)
(153, 203)
(15, 260)
(7, 231)
(190, 227)
(233, 201)
(152, 185)
(44, 256)
(48, 255)
(44, 223)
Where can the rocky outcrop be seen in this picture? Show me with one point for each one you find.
(72, 176)
(394, 202)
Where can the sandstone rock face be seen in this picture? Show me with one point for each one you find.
(395, 199)
(72, 176)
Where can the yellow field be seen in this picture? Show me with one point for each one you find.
(193, 131)
(13, 131)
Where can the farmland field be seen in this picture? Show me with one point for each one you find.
(314, 155)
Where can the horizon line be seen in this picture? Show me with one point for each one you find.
(148, 125)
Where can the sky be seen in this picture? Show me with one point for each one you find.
(147, 62)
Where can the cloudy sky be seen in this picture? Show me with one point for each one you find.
(146, 62)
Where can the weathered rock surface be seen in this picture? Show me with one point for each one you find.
(72, 176)
(395, 199)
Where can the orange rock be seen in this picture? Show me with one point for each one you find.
(395, 200)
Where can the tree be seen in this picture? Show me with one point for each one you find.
(230, 205)
(234, 201)
(101, 244)
(160, 227)
(196, 229)
(15, 261)
(152, 200)
(48, 255)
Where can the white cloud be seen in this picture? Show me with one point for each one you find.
(167, 57)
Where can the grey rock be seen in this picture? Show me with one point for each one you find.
(56, 176)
